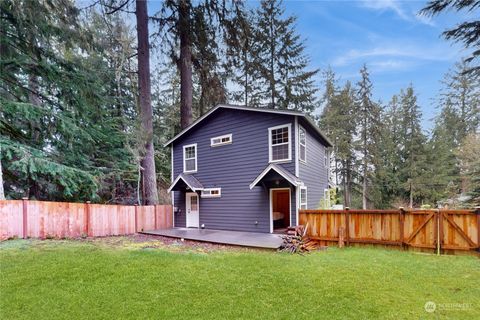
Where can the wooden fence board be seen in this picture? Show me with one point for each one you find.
(145, 218)
(456, 229)
(64, 219)
(55, 219)
(11, 224)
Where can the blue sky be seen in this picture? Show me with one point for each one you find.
(399, 46)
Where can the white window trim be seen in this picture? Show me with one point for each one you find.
(184, 162)
(212, 144)
(209, 195)
(297, 162)
(326, 160)
(300, 144)
(306, 198)
(289, 126)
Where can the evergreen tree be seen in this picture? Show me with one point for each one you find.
(470, 166)
(367, 118)
(328, 119)
(281, 60)
(208, 64)
(338, 117)
(179, 23)
(467, 32)
(444, 171)
(461, 96)
(149, 177)
(242, 59)
(386, 178)
(58, 124)
(413, 152)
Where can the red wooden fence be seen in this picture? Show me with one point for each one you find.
(437, 230)
(43, 219)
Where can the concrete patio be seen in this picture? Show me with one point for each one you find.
(237, 238)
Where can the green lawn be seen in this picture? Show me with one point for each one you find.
(78, 280)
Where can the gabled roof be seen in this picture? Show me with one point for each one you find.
(189, 180)
(285, 174)
(237, 107)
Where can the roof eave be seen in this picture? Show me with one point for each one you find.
(186, 182)
(234, 107)
(264, 173)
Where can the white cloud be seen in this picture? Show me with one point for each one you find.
(395, 52)
(398, 8)
(386, 5)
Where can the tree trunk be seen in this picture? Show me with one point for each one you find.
(245, 61)
(34, 99)
(150, 194)
(345, 197)
(411, 195)
(348, 186)
(272, 62)
(364, 186)
(186, 87)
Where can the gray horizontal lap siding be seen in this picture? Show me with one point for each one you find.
(313, 173)
(233, 168)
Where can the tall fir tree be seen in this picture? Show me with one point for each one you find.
(182, 24)
(367, 119)
(58, 130)
(469, 162)
(338, 117)
(242, 59)
(413, 152)
(461, 94)
(328, 118)
(281, 60)
(149, 176)
(386, 179)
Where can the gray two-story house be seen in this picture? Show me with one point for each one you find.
(247, 169)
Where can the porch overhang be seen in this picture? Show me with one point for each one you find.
(279, 171)
(185, 181)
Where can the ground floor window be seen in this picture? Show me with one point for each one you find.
(303, 197)
(212, 193)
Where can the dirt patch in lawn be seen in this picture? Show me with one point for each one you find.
(142, 241)
(132, 242)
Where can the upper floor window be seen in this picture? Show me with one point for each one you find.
(280, 148)
(303, 197)
(221, 140)
(327, 158)
(190, 158)
(302, 139)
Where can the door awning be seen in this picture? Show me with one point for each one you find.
(276, 170)
(185, 181)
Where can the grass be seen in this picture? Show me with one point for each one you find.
(78, 280)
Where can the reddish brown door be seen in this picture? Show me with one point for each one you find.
(281, 204)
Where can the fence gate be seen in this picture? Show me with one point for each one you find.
(442, 229)
(421, 229)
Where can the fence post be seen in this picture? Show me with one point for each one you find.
(136, 219)
(347, 225)
(477, 212)
(87, 218)
(25, 217)
(341, 237)
(402, 227)
(155, 216)
(437, 231)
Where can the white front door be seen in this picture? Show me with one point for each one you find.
(193, 210)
